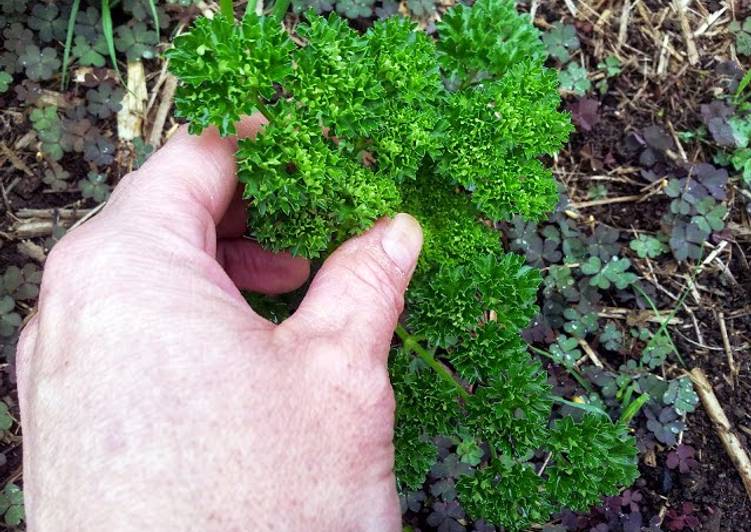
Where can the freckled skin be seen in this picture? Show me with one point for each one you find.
(153, 398)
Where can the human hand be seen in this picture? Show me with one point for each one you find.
(153, 398)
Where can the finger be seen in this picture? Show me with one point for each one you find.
(359, 292)
(24, 349)
(253, 268)
(234, 224)
(186, 186)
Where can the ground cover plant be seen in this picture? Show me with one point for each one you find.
(643, 269)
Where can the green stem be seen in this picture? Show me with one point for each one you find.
(227, 10)
(280, 9)
(265, 111)
(633, 408)
(412, 344)
(572, 369)
(251, 7)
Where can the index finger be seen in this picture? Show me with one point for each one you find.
(186, 186)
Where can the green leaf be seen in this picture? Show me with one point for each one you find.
(137, 41)
(6, 421)
(574, 79)
(5, 81)
(647, 246)
(561, 40)
(95, 187)
(591, 266)
(39, 64)
(681, 395)
(611, 66)
(89, 54)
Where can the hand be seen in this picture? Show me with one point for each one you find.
(153, 398)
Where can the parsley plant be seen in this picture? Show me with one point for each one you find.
(452, 131)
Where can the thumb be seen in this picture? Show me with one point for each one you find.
(358, 294)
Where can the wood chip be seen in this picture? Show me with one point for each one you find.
(722, 426)
(130, 117)
(681, 6)
(168, 93)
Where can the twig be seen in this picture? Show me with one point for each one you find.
(723, 428)
(681, 6)
(32, 250)
(17, 163)
(623, 23)
(604, 201)
(130, 116)
(728, 348)
(49, 214)
(591, 353)
(93, 212)
(170, 85)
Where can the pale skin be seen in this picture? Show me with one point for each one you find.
(153, 398)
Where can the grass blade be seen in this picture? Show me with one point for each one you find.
(69, 39)
(108, 33)
(155, 16)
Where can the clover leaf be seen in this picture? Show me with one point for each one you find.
(355, 8)
(421, 8)
(95, 187)
(612, 272)
(665, 425)
(561, 40)
(22, 283)
(46, 20)
(88, 24)
(647, 246)
(686, 240)
(565, 351)
(137, 42)
(56, 179)
(5, 81)
(105, 100)
(656, 351)
(48, 127)
(742, 33)
(99, 149)
(89, 54)
(574, 79)
(11, 505)
(611, 337)
(710, 215)
(9, 319)
(681, 395)
(6, 421)
(12, 7)
(579, 325)
(611, 66)
(39, 64)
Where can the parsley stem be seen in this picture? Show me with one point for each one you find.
(280, 9)
(412, 344)
(227, 10)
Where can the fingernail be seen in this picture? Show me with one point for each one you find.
(402, 242)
